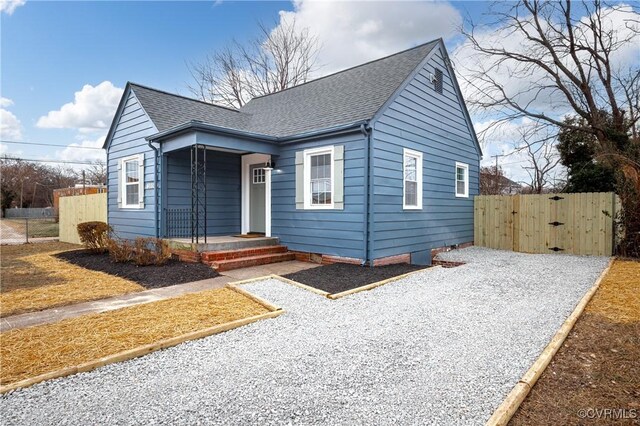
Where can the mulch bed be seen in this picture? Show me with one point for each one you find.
(340, 277)
(171, 273)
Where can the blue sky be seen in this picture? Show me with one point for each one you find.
(64, 64)
(51, 50)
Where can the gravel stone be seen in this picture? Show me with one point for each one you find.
(443, 346)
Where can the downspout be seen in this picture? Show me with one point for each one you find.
(365, 227)
(155, 187)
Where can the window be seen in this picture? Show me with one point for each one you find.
(258, 176)
(131, 180)
(462, 180)
(319, 182)
(412, 180)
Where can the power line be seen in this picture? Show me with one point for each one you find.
(48, 144)
(88, 163)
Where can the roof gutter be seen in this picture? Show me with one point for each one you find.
(195, 125)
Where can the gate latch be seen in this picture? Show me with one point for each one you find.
(556, 223)
(556, 198)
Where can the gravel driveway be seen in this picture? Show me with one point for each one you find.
(443, 346)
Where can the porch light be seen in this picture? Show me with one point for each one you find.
(269, 165)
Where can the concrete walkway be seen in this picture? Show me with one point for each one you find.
(49, 316)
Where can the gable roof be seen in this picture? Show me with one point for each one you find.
(346, 97)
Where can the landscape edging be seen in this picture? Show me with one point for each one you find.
(511, 403)
(151, 347)
(377, 283)
(334, 296)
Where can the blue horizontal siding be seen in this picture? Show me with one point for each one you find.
(332, 232)
(133, 126)
(223, 189)
(423, 120)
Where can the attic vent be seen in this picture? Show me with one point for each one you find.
(437, 80)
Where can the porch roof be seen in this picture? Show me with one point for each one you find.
(197, 132)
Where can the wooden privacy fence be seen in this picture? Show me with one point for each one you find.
(547, 223)
(78, 209)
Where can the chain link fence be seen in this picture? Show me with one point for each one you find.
(22, 230)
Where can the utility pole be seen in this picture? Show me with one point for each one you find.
(496, 176)
(496, 157)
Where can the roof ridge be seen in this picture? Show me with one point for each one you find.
(182, 96)
(347, 69)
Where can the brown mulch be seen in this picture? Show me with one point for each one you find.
(172, 273)
(61, 284)
(598, 366)
(340, 277)
(32, 351)
(12, 260)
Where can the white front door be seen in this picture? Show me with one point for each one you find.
(257, 198)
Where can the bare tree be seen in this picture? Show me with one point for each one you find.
(279, 58)
(492, 180)
(95, 174)
(568, 59)
(543, 161)
(30, 184)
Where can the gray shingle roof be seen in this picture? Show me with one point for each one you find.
(338, 99)
(167, 110)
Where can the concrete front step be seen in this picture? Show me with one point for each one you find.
(212, 256)
(221, 243)
(244, 262)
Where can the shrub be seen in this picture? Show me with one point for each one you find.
(151, 251)
(120, 250)
(94, 236)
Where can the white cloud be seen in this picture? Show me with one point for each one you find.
(10, 127)
(93, 109)
(9, 6)
(5, 102)
(351, 33)
(73, 153)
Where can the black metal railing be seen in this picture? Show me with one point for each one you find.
(179, 223)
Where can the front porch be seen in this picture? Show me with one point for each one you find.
(225, 253)
(211, 196)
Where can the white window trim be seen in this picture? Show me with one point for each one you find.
(307, 153)
(466, 180)
(261, 177)
(123, 182)
(418, 156)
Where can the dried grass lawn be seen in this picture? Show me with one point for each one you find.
(41, 349)
(598, 366)
(32, 280)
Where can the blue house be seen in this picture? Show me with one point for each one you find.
(375, 164)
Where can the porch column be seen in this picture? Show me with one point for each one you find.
(267, 201)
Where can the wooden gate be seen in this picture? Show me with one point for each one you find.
(547, 223)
